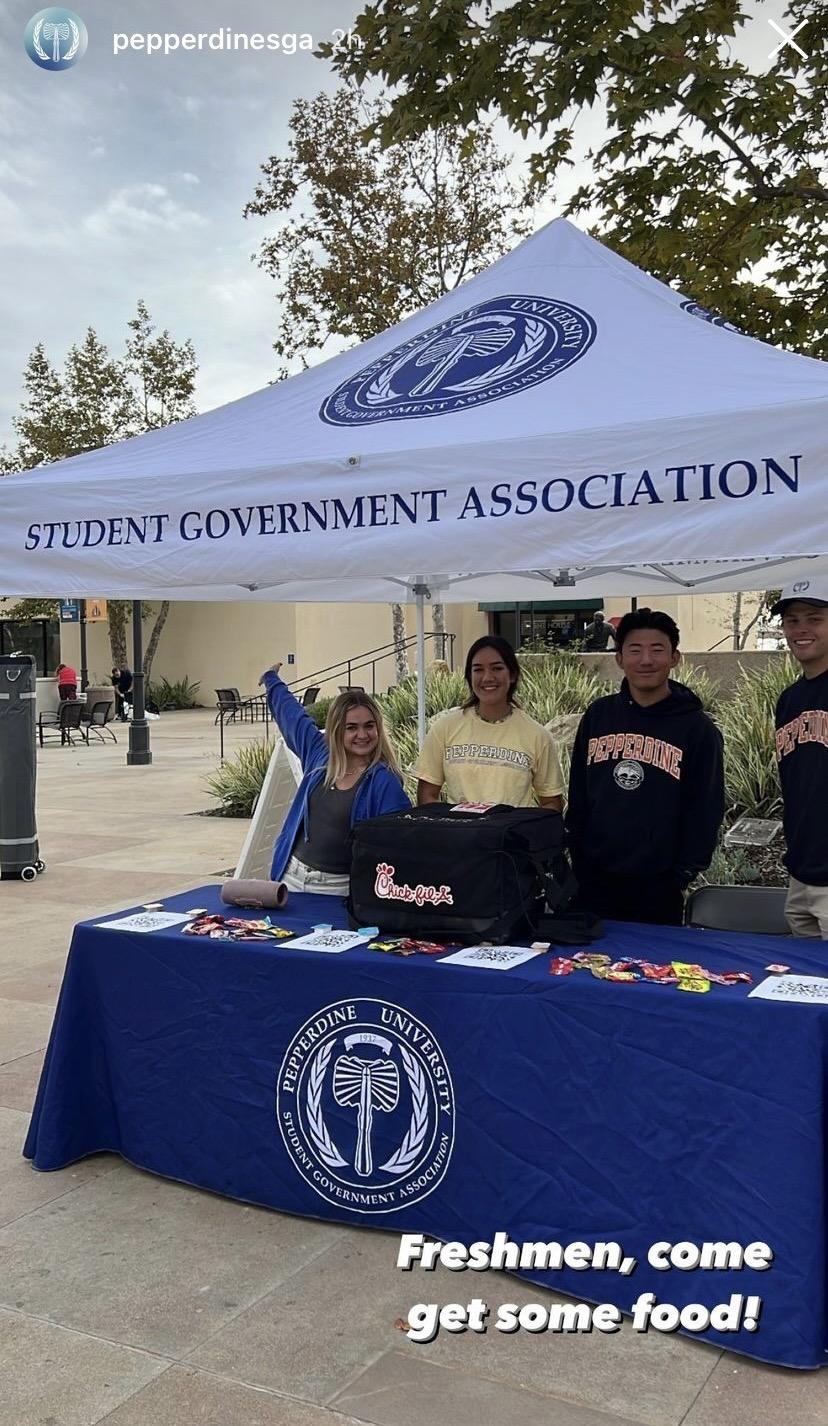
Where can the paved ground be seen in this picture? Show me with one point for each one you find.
(130, 1300)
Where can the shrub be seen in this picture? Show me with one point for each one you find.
(318, 711)
(558, 684)
(405, 743)
(729, 866)
(747, 724)
(237, 783)
(173, 695)
(399, 704)
(705, 688)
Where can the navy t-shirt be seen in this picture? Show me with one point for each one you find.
(802, 753)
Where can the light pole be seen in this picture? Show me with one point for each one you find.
(84, 672)
(139, 754)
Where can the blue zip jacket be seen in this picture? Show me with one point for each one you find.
(380, 790)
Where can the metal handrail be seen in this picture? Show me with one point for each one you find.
(344, 666)
(371, 657)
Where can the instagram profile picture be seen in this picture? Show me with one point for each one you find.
(55, 38)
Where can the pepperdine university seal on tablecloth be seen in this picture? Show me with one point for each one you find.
(365, 1106)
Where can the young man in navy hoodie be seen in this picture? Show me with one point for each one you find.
(802, 751)
(646, 785)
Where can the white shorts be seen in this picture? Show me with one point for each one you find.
(298, 877)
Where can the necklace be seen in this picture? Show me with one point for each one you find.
(495, 720)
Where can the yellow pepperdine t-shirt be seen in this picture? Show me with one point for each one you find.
(513, 762)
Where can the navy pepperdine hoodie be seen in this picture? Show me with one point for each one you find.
(646, 788)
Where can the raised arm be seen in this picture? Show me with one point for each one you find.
(296, 726)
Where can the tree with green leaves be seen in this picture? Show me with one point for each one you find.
(711, 174)
(366, 236)
(98, 400)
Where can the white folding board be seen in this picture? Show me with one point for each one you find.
(278, 791)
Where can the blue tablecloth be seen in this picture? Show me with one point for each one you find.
(416, 1096)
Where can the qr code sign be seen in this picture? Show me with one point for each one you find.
(330, 941)
(491, 957)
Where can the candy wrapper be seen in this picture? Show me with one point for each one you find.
(392, 947)
(235, 928)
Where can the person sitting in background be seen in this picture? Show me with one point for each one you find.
(490, 750)
(646, 783)
(122, 683)
(350, 774)
(67, 682)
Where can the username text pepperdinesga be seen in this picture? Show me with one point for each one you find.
(227, 41)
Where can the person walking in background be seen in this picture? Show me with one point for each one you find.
(646, 785)
(350, 774)
(67, 682)
(802, 754)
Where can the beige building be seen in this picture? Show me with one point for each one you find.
(228, 645)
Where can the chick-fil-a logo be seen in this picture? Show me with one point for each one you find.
(387, 889)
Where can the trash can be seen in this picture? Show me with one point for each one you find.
(19, 854)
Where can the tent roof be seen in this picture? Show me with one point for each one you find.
(562, 410)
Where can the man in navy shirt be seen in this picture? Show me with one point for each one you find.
(802, 752)
(646, 787)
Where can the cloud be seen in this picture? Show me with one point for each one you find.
(10, 174)
(139, 210)
(236, 292)
(12, 115)
(191, 178)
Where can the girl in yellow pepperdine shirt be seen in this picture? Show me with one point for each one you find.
(489, 750)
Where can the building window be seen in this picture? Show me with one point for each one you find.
(546, 625)
(38, 637)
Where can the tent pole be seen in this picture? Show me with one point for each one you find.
(420, 592)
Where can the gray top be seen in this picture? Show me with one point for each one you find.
(327, 847)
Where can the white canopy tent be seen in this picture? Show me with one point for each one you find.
(561, 419)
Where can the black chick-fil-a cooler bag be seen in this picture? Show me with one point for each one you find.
(455, 873)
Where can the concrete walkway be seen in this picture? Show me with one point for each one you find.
(131, 1300)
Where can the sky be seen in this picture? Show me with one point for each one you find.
(126, 175)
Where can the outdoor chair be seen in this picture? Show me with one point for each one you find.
(101, 714)
(351, 688)
(66, 721)
(750, 909)
(232, 706)
(310, 696)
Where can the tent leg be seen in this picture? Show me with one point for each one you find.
(420, 591)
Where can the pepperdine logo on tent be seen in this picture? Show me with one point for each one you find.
(487, 352)
(704, 314)
(55, 38)
(365, 1106)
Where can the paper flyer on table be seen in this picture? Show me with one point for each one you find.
(491, 957)
(145, 921)
(330, 941)
(793, 989)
